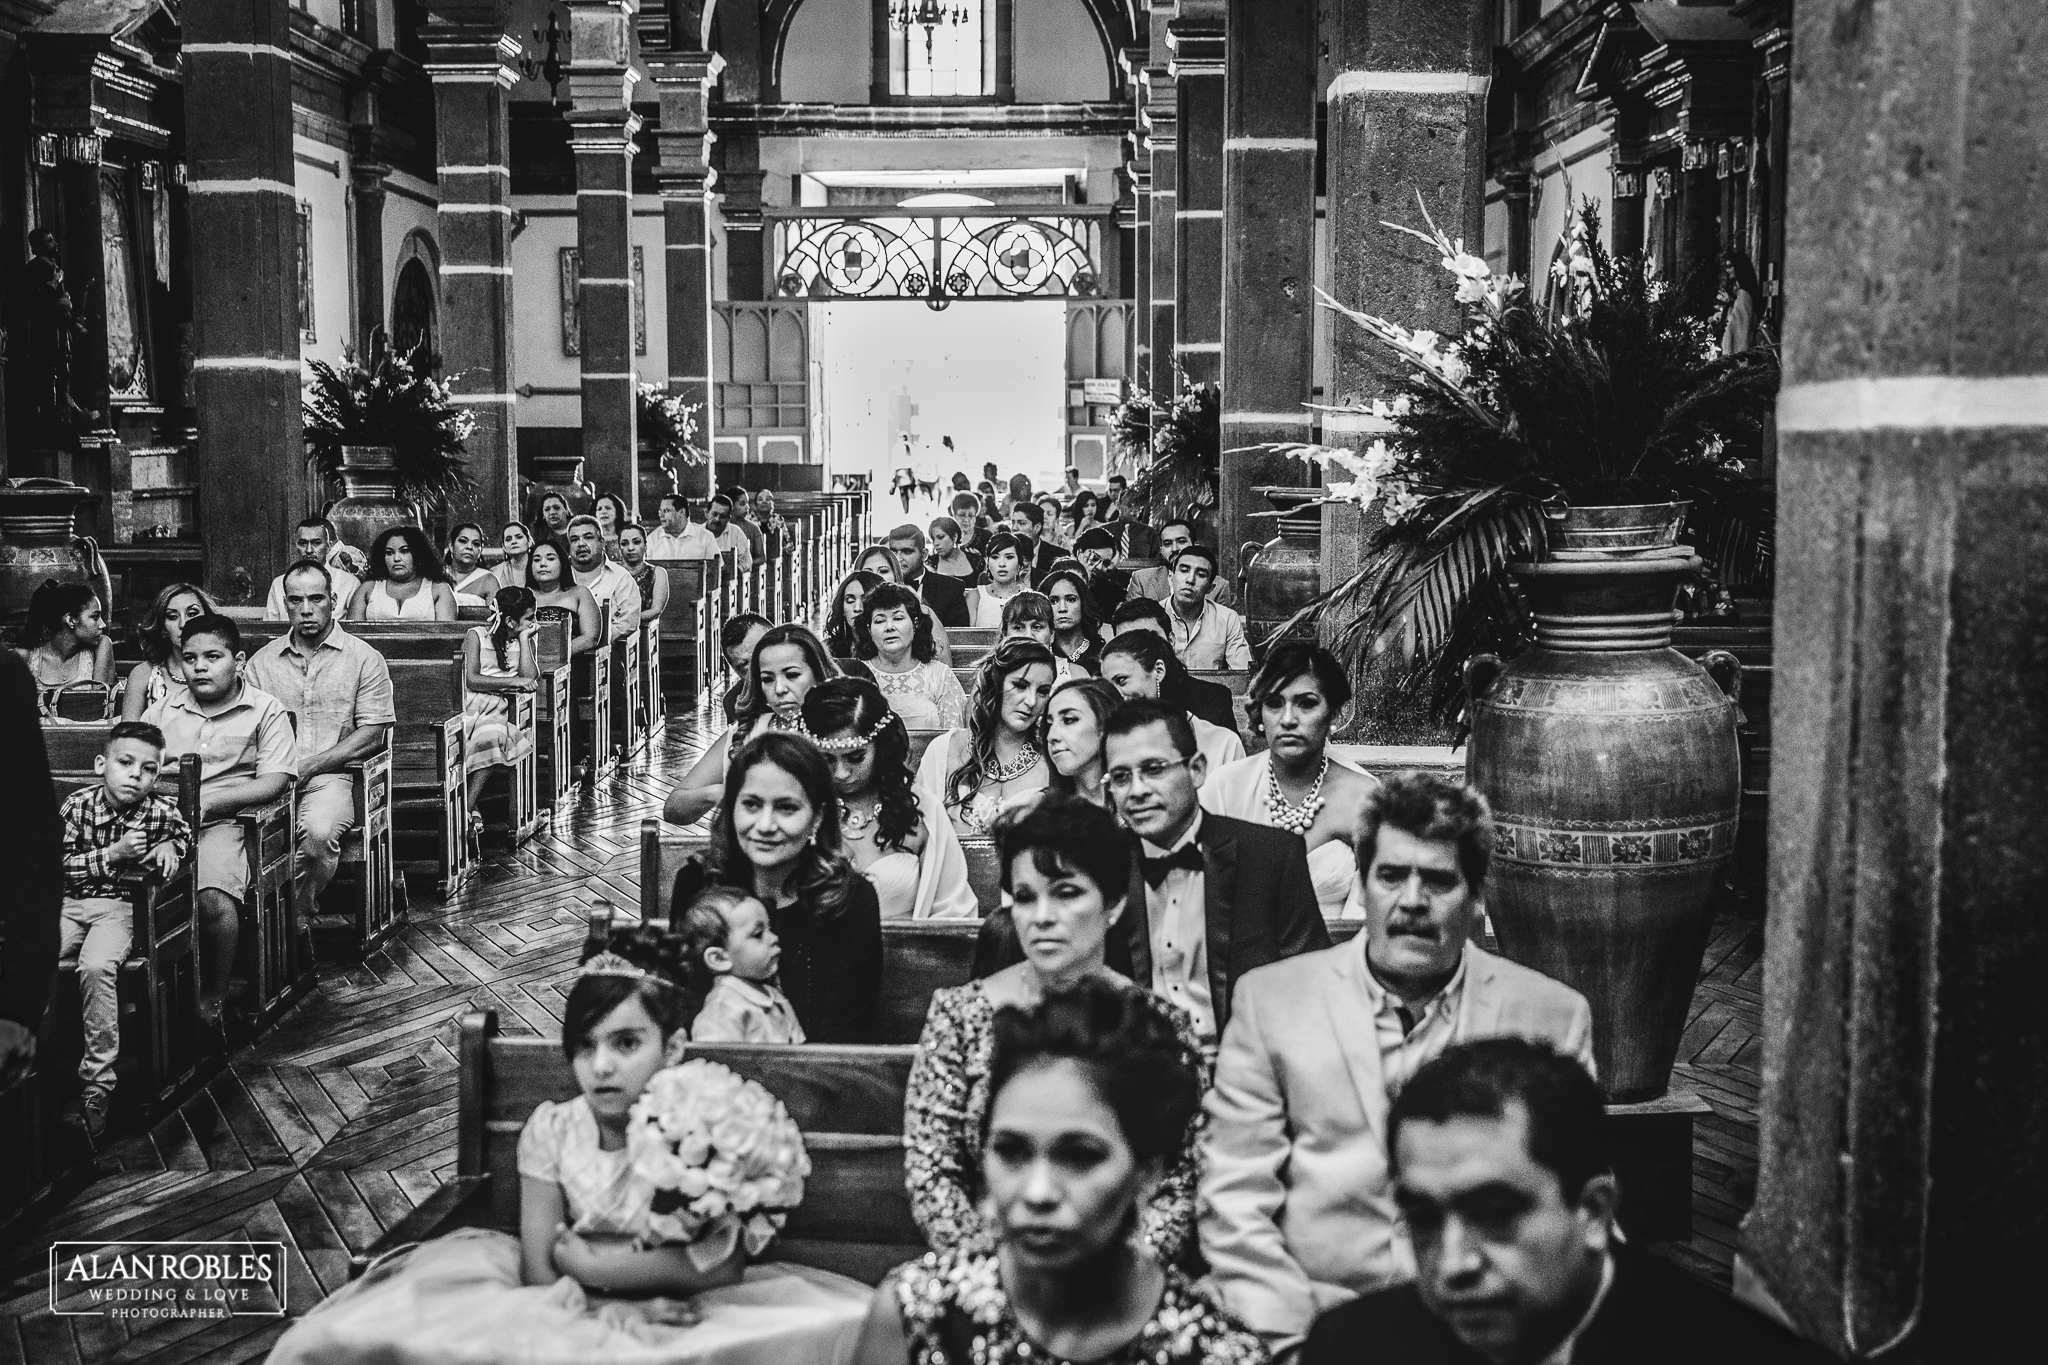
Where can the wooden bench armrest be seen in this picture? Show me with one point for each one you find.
(256, 817)
(463, 1202)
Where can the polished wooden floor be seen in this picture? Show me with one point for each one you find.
(342, 1118)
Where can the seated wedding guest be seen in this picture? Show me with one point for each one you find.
(515, 540)
(970, 513)
(1076, 719)
(719, 525)
(35, 871)
(1139, 664)
(1297, 1214)
(1206, 636)
(159, 630)
(736, 641)
(65, 640)
(1294, 784)
(404, 582)
(610, 513)
(1210, 701)
(842, 614)
(586, 1278)
(1028, 524)
(914, 859)
(1066, 869)
(1175, 535)
(973, 772)
(1058, 530)
(314, 539)
(120, 824)
(895, 640)
(247, 759)
(338, 690)
(777, 838)
(1108, 585)
(1088, 1096)
(651, 580)
(496, 662)
(944, 595)
(727, 940)
(1498, 1153)
(554, 517)
(678, 537)
(473, 584)
(877, 560)
(609, 584)
(1028, 616)
(1073, 617)
(557, 597)
(950, 555)
(1003, 562)
(788, 662)
(746, 523)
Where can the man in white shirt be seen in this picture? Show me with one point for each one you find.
(1220, 896)
(313, 540)
(1297, 1213)
(718, 522)
(678, 537)
(1207, 637)
(607, 581)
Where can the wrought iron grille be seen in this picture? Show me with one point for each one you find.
(939, 257)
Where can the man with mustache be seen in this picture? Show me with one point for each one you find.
(1298, 1214)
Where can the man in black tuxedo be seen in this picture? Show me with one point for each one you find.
(1499, 1159)
(1212, 701)
(1027, 523)
(945, 596)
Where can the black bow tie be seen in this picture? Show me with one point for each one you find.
(1188, 858)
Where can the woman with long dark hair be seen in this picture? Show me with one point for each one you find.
(610, 511)
(161, 627)
(558, 596)
(404, 581)
(777, 838)
(999, 757)
(474, 585)
(496, 662)
(1076, 719)
(1066, 866)
(1074, 628)
(844, 609)
(1140, 665)
(895, 639)
(914, 861)
(65, 640)
(788, 662)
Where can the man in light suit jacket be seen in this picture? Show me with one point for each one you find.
(1296, 1210)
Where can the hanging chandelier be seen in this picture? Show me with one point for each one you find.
(928, 15)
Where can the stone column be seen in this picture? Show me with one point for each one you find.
(740, 176)
(683, 79)
(469, 58)
(1196, 38)
(602, 126)
(1138, 167)
(244, 213)
(366, 176)
(1407, 117)
(1269, 210)
(1903, 1197)
(1158, 125)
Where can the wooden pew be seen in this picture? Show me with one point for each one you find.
(628, 723)
(430, 799)
(361, 909)
(855, 1218)
(554, 711)
(653, 694)
(681, 660)
(159, 981)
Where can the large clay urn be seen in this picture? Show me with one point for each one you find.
(370, 504)
(37, 544)
(1286, 573)
(1611, 763)
(557, 474)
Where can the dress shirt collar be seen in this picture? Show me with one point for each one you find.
(182, 698)
(1381, 999)
(333, 639)
(753, 992)
(1191, 835)
(1562, 1353)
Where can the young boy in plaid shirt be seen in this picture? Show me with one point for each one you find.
(118, 825)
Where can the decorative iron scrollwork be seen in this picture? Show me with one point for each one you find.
(937, 258)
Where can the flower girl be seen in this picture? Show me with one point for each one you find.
(597, 1272)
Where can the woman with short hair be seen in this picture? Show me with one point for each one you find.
(894, 638)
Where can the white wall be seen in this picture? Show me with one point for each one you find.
(537, 357)
(321, 173)
(829, 55)
(1059, 55)
(404, 212)
(1577, 169)
(990, 375)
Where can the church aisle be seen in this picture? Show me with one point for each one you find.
(342, 1118)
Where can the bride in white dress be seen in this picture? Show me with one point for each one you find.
(1295, 783)
(914, 862)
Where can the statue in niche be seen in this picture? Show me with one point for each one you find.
(53, 326)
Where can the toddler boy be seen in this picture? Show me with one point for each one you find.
(122, 823)
(726, 936)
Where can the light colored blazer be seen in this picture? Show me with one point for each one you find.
(1296, 1211)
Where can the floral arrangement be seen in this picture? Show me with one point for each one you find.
(726, 1161)
(1175, 447)
(392, 400)
(1613, 391)
(670, 425)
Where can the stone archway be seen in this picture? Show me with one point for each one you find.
(415, 295)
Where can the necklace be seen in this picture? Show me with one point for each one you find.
(1295, 819)
(852, 822)
(1027, 759)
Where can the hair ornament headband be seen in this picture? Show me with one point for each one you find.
(851, 742)
(611, 964)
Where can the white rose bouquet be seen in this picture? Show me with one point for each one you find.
(724, 1157)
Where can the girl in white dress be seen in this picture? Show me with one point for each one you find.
(915, 862)
(474, 585)
(973, 773)
(893, 637)
(788, 662)
(578, 1283)
(1005, 561)
(1295, 783)
(496, 662)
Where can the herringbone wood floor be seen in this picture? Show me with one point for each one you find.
(341, 1119)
